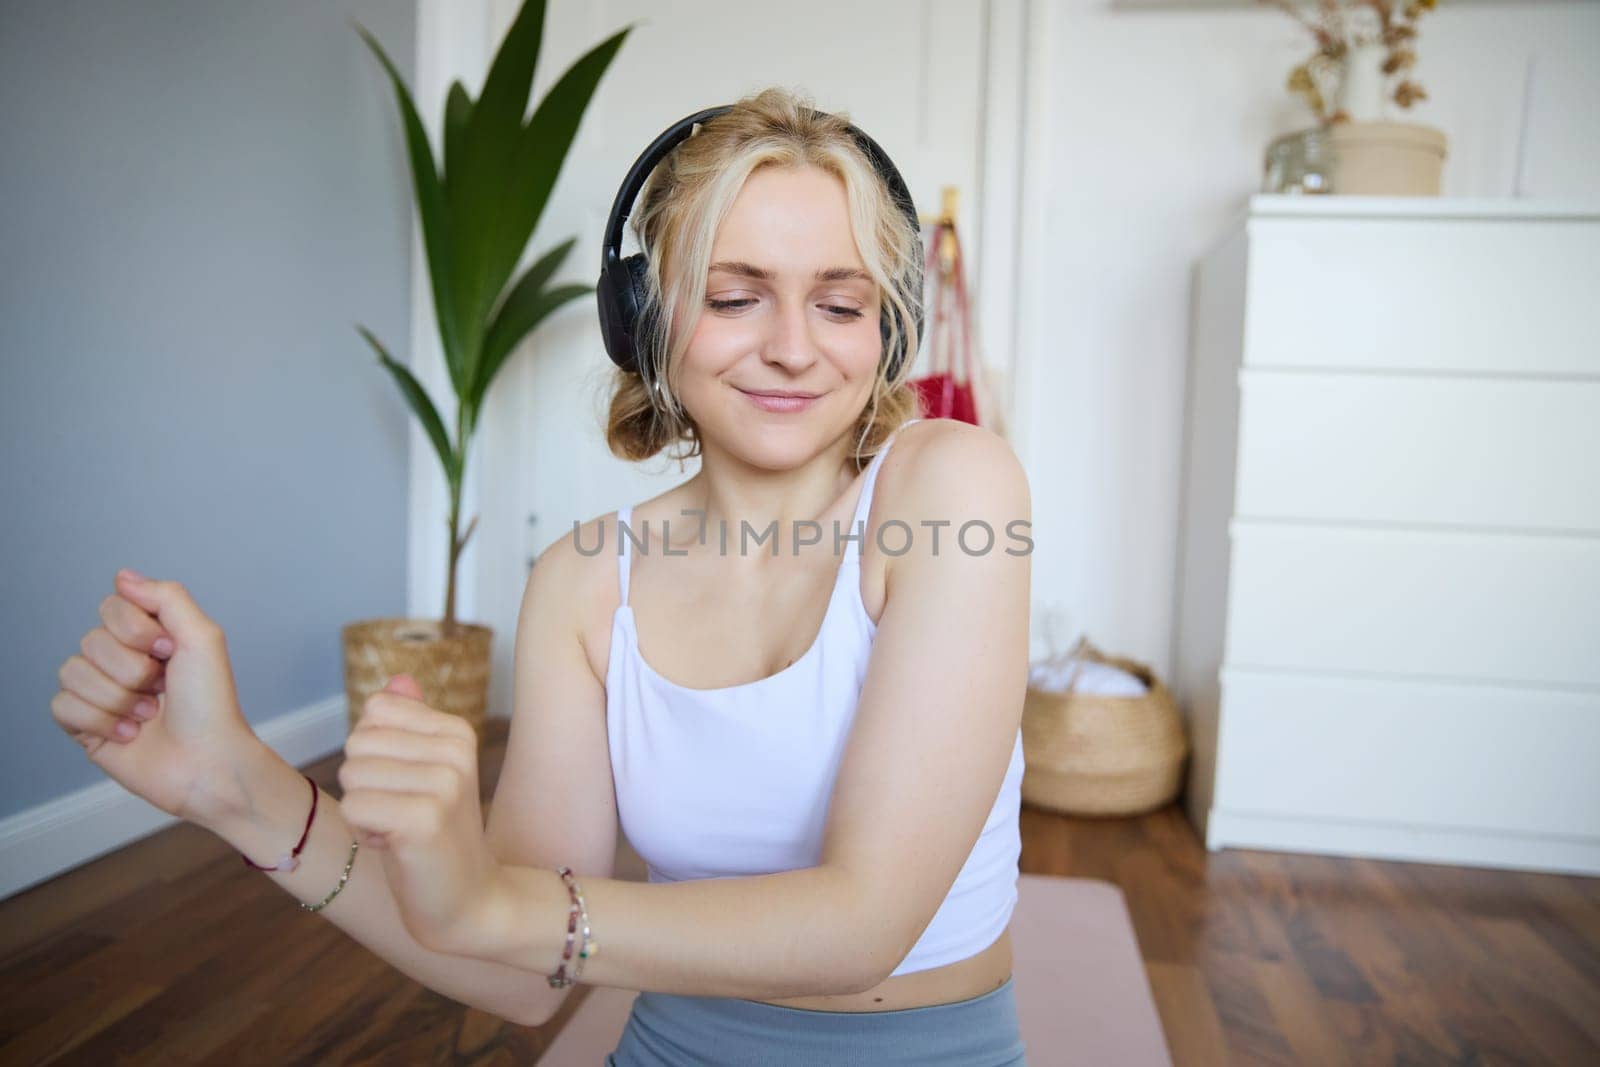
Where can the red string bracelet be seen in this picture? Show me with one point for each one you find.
(291, 860)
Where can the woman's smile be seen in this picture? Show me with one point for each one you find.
(783, 401)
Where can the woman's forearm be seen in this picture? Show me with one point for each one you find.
(774, 936)
(790, 934)
(263, 818)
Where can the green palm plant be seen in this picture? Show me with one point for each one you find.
(477, 217)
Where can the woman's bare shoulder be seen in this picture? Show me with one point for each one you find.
(940, 476)
(576, 574)
(937, 464)
(585, 575)
(576, 561)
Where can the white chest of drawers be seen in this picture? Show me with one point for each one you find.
(1387, 628)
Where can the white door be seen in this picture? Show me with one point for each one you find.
(911, 73)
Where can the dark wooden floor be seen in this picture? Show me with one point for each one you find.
(170, 952)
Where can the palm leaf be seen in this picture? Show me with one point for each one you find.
(418, 399)
(517, 319)
(431, 209)
(479, 189)
(457, 113)
(510, 77)
(503, 333)
(541, 150)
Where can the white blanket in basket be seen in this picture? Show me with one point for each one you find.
(1100, 679)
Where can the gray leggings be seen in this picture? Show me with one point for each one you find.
(667, 1030)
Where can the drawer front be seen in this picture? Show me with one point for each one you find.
(1411, 603)
(1428, 754)
(1502, 453)
(1508, 296)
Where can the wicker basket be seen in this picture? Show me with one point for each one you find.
(453, 670)
(1103, 755)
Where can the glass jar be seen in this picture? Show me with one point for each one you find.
(1299, 163)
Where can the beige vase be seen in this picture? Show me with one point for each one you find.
(452, 670)
(1386, 159)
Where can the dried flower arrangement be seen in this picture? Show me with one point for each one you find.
(1336, 33)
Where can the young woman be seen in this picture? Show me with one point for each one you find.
(795, 680)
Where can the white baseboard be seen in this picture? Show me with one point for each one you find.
(1557, 854)
(44, 841)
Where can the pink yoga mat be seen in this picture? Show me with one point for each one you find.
(1082, 996)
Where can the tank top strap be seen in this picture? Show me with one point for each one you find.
(858, 522)
(624, 554)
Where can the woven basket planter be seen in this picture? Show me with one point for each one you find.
(452, 670)
(1087, 754)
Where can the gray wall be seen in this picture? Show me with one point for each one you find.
(197, 201)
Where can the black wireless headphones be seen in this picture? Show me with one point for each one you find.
(621, 290)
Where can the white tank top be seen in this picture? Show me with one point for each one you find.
(735, 781)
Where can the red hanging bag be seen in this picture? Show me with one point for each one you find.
(948, 392)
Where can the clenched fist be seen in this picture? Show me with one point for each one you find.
(410, 780)
(151, 698)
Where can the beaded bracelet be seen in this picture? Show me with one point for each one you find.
(577, 916)
(343, 878)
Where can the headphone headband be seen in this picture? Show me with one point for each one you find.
(621, 290)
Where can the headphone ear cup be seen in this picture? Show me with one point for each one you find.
(613, 326)
(620, 296)
(896, 354)
(638, 285)
(637, 271)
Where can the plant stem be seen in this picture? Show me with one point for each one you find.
(456, 541)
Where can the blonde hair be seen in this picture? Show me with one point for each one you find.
(676, 218)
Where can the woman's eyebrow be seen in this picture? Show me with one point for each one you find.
(750, 270)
